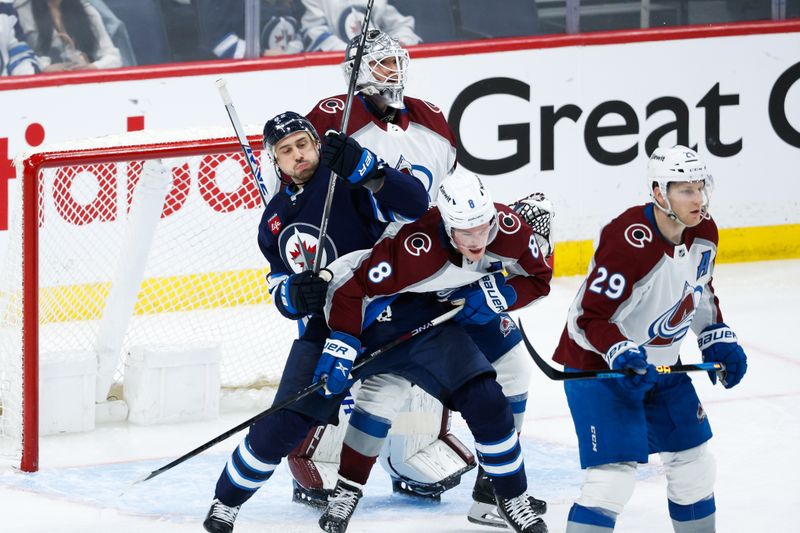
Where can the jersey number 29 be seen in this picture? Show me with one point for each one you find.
(613, 289)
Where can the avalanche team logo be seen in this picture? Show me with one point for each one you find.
(418, 243)
(298, 247)
(506, 325)
(508, 223)
(423, 174)
(672, 326)
(331, 105)
(638, 235)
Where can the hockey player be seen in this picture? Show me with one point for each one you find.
(288, 237)
(411, 135)
(649, 282)
(466, 239)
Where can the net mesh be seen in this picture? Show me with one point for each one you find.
(202, 282)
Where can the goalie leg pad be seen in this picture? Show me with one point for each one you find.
(420, 455)
(690, 474)
(608, 486)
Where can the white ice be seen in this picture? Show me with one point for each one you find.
(755, 426)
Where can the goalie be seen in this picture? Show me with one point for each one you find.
(420, 454)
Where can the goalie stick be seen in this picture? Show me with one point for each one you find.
(558, 375)
(302, 394)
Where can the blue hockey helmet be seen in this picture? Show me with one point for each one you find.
(285, 124)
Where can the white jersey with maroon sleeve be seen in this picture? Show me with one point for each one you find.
(418, 257)
(420, 143)
(642, 288)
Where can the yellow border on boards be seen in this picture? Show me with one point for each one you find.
(736, 245)
(247, 287)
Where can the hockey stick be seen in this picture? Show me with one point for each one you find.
(302, 394)
(249, 157)
(351, 89)
(558, 375)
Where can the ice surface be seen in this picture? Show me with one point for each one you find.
(756, 427)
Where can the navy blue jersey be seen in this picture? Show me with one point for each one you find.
(289, 230)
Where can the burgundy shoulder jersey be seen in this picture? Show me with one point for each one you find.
(418, 257)
(642, 288)
(420, 144)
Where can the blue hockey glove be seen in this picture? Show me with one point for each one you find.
(484, 299)
(720, 345)
(352, 163)
(627, 355)
(305, 292)
(336, 362)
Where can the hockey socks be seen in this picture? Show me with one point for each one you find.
(362, 445)
(253, 462)
(590, 519)
(488, 414)
(698, 517)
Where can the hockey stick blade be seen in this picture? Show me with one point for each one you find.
(302, 394)
(558, 375)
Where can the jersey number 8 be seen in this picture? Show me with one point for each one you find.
(615, 286)
(379, 272)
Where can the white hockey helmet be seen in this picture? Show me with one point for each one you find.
(677, 164)
(465, 203)
(377, 47)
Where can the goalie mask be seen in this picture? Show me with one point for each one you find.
(673, 165)
(383, 68)
(538, 212)
(464, 204)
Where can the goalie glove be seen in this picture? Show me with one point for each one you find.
(537, 211)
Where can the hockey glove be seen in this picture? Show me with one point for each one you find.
(720, 345)
(484, 299)
(537, 211)
(641, 374)
(336, 361)
(352, 163)
(304, 293)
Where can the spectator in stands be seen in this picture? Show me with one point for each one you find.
(221, 24)
(69, 35)
(16, 57)
(331, 24)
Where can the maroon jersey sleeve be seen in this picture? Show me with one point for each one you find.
(529, 273)
(409, 257)
(625, 252)
(430, 116)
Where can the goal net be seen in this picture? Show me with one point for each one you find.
(106, 253)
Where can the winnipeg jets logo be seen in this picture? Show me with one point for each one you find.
(673, 324)
(298, 247)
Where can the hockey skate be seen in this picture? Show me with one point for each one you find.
(316, 498)
(341, 505)
(220, 517)
(520, 515)
(484, 506)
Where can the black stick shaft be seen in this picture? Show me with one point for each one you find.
(302, 394)
(558, 375)
(351, 89)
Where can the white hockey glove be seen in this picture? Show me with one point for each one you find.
(537, 211)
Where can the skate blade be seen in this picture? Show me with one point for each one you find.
(485, 514)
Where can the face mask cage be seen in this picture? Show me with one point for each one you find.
(383, 70)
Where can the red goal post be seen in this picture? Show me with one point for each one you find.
(87, 270)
